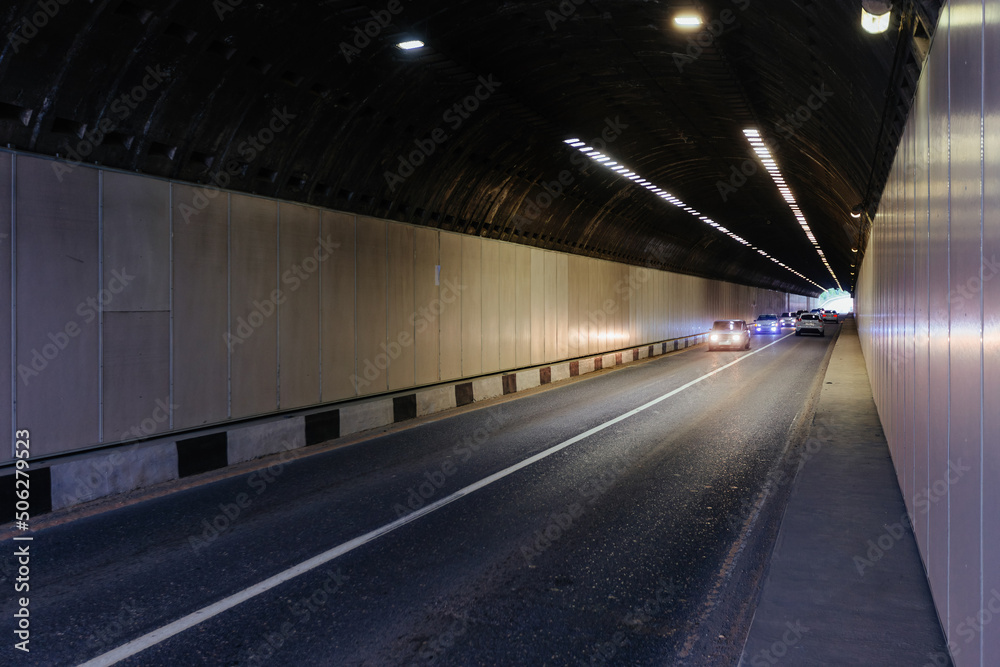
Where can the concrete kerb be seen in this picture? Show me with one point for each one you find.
(148, 469)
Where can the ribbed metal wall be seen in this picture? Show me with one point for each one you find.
(134, 294)
(929, 316)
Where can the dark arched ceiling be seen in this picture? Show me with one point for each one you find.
(559, 70)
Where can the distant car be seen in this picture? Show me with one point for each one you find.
(731, 334)
(766, 324)
(787, 320)
(809, 323)
(829, 316)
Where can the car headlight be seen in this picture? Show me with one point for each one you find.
(714, 337)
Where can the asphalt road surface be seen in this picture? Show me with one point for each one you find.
(641, 543)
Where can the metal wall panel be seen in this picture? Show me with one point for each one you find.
(427, 304)
(58, 320)
(300, 251)
(966, 363)
(522, 350)
(594, 337)
(200, 307)
(472, 306)
(136, 374)
(7, 375)
(936, 71)
(402, 322)
(372, 283)
(908, 313)
(991, 326)
(452, 281)
(340, 373)
(562, 305)
(551, 315)
(537, 306)
(491, 306)
(508, 305)
(578, 290)
(253, 317)
(136, 225)
(921, 290)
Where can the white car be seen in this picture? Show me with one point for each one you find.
(809, 323)
(787, 320)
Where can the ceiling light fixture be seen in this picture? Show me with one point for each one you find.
(687, 21)
(753, 136)
(856, 211)
(875, 15)
(604, 161)
(410, 45)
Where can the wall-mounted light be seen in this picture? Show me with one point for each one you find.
(687, 21)
(410, 45)
(875, 15)
(856, 212)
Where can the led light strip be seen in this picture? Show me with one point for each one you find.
(760, 148)
(605, 161)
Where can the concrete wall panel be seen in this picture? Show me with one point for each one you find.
(340, 377)
(58, 315)
(537, 278)
(301, 249)
(523, 329)
(551, 315)
(253, 276)
(200, 307)
(372, 283)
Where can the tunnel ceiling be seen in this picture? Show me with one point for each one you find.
(294, 100)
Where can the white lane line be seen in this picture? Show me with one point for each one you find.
(193, 619)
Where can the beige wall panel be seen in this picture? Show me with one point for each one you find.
(551, 343)
(575, 275)
(472, 306)
(562, 307)
(452, 293)
(371, 306)
(428, 305)
(593, 298)
(523, 320)
(300, 253)
(57, 330)
(201, 312)
(491, 306)
(253, 277)
(402, 322)
(537, 306)
(508, 305)
(338, 292)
